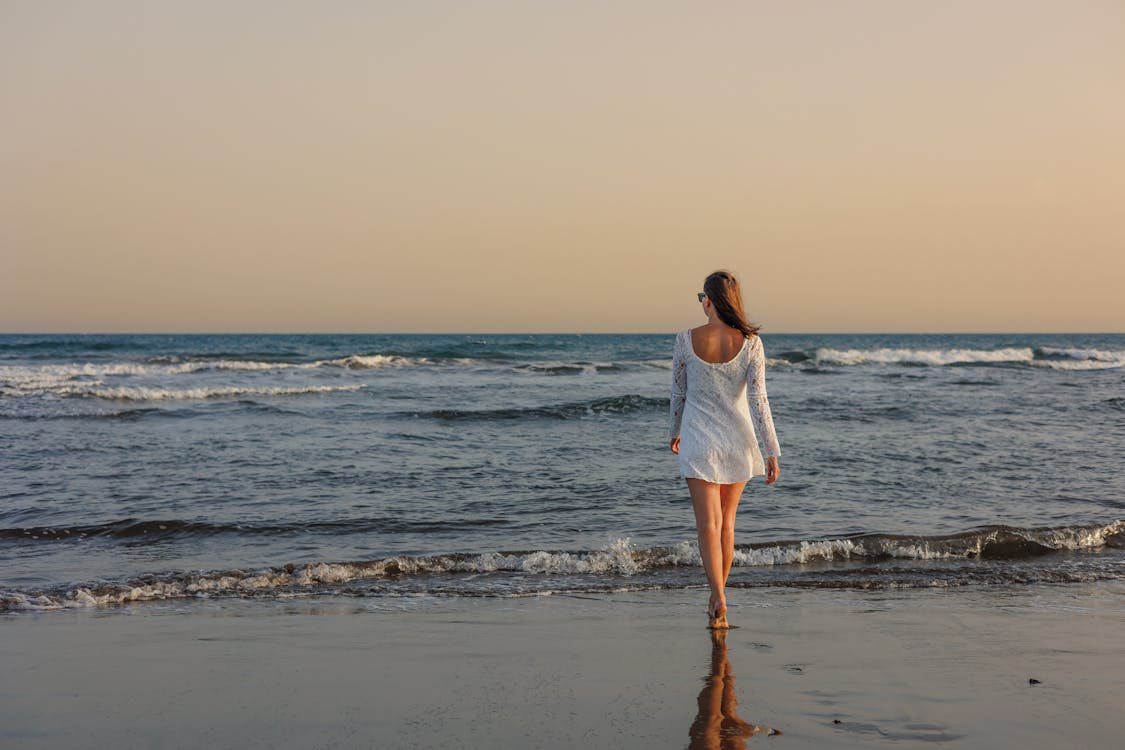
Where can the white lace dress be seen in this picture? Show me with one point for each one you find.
(715, 407)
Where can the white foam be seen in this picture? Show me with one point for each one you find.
(138, 393)
(1079, 537)
(249, 365)
(804, 552)
(94, 381)
(18, 380)
(1102, 355)
(374, 361)
(1053, 365)
(933, 357)
(1081, 359)
(45, 378)
(619, 558)
(967, 545)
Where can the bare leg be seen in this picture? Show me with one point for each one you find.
(707, 502)
(729, 495)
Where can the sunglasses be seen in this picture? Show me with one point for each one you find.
(701, 295)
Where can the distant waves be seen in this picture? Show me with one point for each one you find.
(1053, 358)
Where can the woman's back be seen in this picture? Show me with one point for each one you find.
(716, 343)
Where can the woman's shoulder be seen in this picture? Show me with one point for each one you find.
(683, 339)
(754, 345)
(706, 330)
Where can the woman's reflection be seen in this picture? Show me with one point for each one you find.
(717, 724)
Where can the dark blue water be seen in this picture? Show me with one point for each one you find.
(139, 467)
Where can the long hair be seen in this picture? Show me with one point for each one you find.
(722, 289)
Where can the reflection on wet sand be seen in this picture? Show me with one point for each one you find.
(717, 725)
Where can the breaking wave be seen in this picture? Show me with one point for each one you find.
(108, 379)
(1079, 359)
(931, 357)
(572, 368)
(139, 393)
(1046, 357)
(618, 565)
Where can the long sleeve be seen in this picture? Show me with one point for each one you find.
(679, 386)
(759, 402)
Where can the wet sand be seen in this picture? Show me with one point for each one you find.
(623, 670)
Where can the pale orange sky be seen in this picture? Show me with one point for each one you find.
(561, 166)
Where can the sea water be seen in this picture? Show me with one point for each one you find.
(139, 467)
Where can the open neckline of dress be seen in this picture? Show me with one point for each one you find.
(691, 347)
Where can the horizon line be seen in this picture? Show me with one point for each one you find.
(546, 333)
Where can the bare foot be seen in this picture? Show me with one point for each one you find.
(718, 614)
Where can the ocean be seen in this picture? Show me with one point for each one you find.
(397, 468)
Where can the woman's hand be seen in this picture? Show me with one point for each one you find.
(675, 445)
(773, 471)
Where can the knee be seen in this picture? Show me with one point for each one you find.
(711, 525)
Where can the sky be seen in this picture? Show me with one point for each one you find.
(542, 166)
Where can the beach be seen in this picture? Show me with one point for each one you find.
(625, 670)
(346, 351)
(417, 541)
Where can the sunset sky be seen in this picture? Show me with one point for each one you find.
(528, 165)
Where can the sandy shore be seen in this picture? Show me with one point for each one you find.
(627, 670)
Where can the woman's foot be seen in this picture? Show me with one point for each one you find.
(717, 613)
(714, 604)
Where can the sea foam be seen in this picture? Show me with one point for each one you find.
(182, 394)
(932, 357)
(618, 560)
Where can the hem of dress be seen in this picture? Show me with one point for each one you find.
(719, 481)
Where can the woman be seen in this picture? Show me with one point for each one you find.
(718, 384)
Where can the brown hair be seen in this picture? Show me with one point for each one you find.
(722, 289)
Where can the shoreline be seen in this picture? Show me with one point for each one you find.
(827, 668)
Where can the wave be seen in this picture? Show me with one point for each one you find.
(817, 359)
(112, 381)
(1104, 355)
(930, 357)
(138, 393)
(627, 404)
(124, 415)
(989, 542)
(24, 380)
(614, 566)
(568, 368)
(1079, 359)
(73, 371)
(377, 361)
(1047, 357)
(36, 379)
